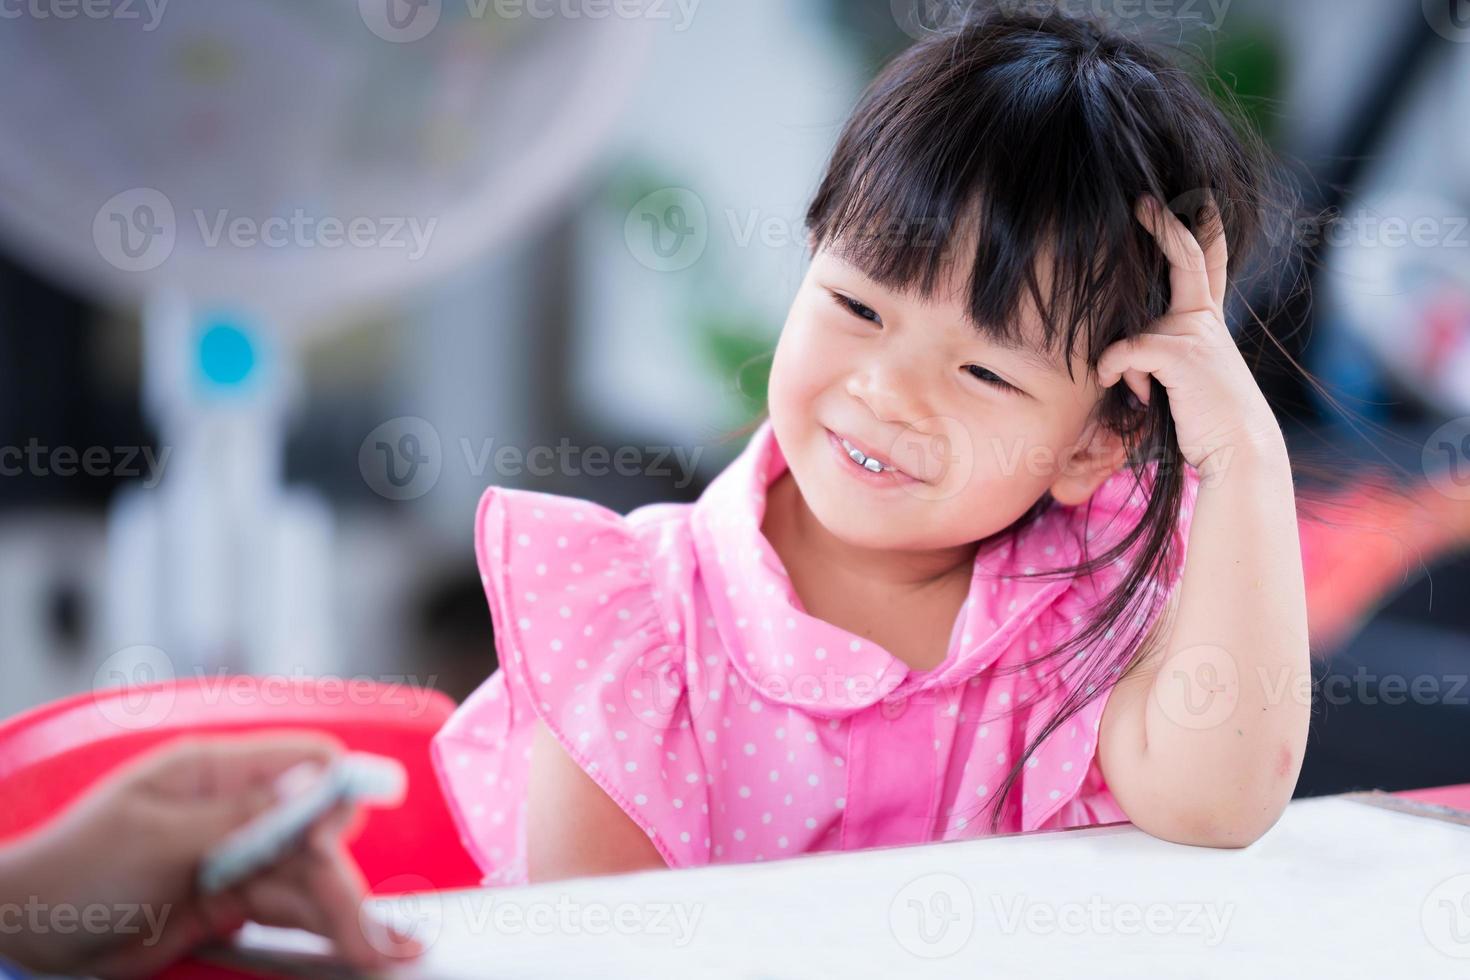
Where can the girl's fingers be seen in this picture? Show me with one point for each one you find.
(1217, 252)
(1189, 281)
(1156, 354)
(1138, 383)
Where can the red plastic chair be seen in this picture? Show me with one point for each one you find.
(51, 754)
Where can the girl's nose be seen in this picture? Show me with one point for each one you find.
(892, 389)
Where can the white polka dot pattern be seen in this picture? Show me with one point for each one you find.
(583, 648)
(670, 655)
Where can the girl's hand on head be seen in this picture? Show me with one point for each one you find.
(1217, 406)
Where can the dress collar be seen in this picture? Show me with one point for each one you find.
(797, 659)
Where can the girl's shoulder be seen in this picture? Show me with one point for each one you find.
(544, 525)
(590, 644)
(589, 563)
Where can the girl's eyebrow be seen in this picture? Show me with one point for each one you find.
(1025, 352)
(1021, 350)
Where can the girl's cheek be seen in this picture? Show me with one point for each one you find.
(777, 383)
(1011, 457)
(799, 369)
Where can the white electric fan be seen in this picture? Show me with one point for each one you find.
(247, 172)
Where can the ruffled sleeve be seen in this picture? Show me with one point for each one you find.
(582, 646)
(1061, 784)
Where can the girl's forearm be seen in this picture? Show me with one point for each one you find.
(1226, 721)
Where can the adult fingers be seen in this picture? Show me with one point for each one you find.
(220, 782)
(323, 890)
(208, 765)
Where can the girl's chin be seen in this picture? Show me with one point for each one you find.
(855, 521)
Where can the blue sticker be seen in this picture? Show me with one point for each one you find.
(226, 354)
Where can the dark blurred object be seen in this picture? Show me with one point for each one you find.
(51, 398)
(1329, 182)
(1393, 707)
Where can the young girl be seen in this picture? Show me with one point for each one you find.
(943, 591)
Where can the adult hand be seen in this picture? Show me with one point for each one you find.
(132, 846)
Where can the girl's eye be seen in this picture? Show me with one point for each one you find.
(855, 308)
(989, 377)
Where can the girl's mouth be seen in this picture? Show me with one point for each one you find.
(869, 468)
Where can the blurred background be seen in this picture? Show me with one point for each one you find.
(284, 284)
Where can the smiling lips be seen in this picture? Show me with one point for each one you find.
(870, 462)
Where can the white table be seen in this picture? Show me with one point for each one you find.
(1337, 888)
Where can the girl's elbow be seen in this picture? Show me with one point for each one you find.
(1223, 826)
(1222, 823)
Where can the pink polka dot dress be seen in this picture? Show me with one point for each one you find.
(668, 653)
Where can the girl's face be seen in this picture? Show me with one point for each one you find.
(975, 432)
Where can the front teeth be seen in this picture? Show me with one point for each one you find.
(867, 462)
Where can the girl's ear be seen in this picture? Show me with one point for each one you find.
(1098, 455)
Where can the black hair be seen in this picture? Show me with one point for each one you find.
(1035, 133)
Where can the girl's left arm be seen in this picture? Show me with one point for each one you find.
(1202, 741)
